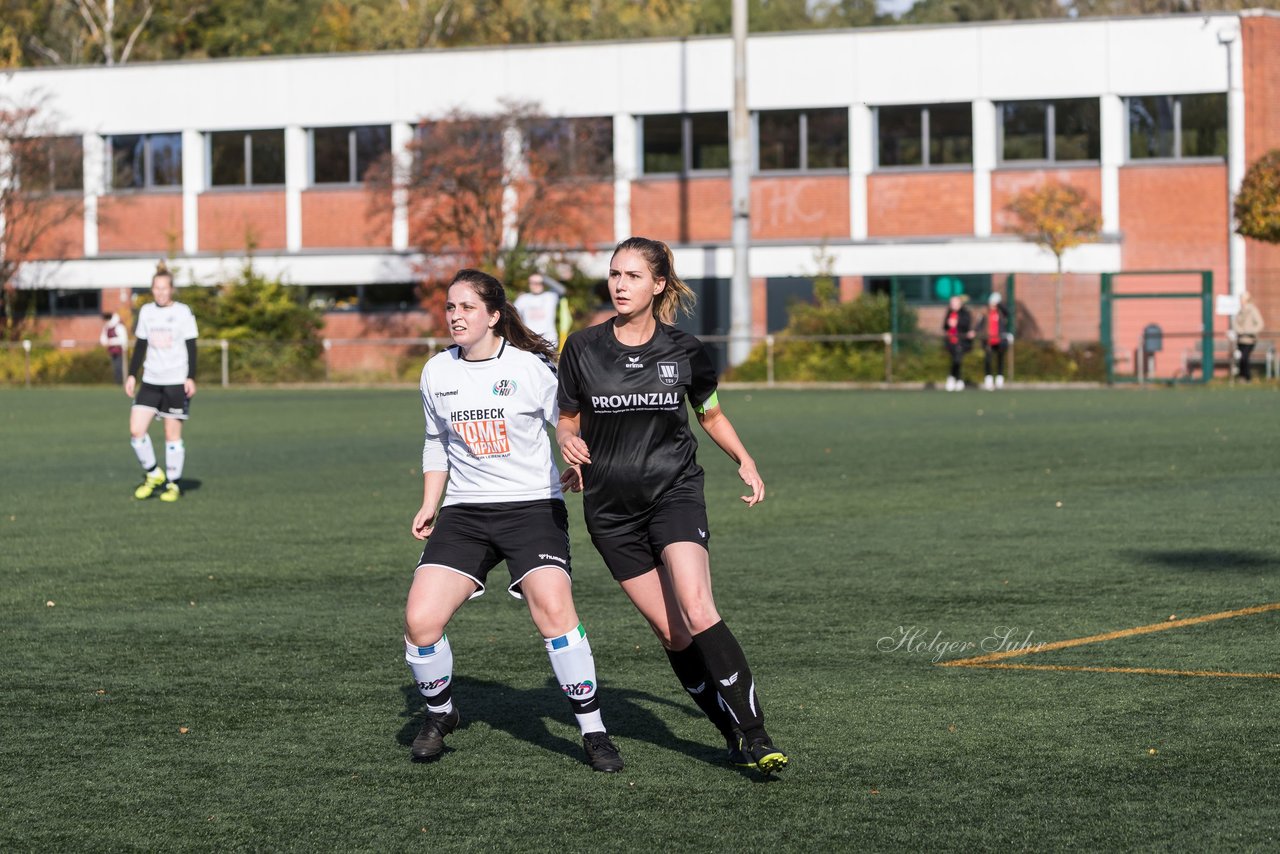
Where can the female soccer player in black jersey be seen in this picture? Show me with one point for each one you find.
(623, 386)
(488, 401)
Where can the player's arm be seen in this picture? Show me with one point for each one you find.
(135, 366)
(569, 438)
(189, 384)
(435, 464)
(720, 429)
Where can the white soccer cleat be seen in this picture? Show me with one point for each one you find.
(951, 383)
(989, 382)
(1000, 381)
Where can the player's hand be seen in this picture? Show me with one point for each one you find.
(575, 452)
(130, 385)
(571, 479)
(424, 523)
(751, 477)
(189, 386)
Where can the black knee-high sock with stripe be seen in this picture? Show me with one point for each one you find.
(727, 664)
(691, 670)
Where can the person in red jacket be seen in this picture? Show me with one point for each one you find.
(957, 337)
(993, 332)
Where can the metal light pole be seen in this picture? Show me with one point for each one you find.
(739, 170)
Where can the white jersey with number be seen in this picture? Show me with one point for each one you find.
(166, 331)
(486, 425)
(538, 311)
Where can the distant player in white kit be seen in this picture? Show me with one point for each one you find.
(543, 310)
(488, 400)
(165, 353)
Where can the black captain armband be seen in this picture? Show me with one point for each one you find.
(191, 358)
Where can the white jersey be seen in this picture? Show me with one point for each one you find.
(486, 425)
(538, 311)
(166, 331)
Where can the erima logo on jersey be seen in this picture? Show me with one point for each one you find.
(727, 682)
(702, 533)
(658, 399)
(633, 362)
(552, 557)
(669, 372)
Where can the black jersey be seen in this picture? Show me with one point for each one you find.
(632, 404)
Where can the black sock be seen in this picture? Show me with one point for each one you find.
(727, 665)
(692, 673)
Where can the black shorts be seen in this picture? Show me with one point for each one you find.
(167, 401)
(681, 517)
(471, 539)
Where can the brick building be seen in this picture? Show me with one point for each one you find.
(891, 152)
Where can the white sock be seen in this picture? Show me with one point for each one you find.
(146, 453)
(175, 454)
(432, 668)
(574, 666)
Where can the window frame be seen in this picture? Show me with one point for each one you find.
(686, 145)
(802, 142)
(1050, 134)
(1177, 156)
(48, 148)
(354, 178)
(248, 183)
(148, 164)
(925, 129)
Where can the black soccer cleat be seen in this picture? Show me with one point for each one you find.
(430, 741)
(766, 758)
(602, 753)
(734, 754)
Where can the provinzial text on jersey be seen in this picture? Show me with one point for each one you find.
(632, 401)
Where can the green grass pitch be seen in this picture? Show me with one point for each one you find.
(226, 673)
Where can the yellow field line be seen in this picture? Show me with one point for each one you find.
(1154, 671)
(1123, 633)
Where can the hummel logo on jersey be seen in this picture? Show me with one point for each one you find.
(446, 393)
(552, 557)
(727, 682)
(669, 372)
(702, 533)
(633, 362)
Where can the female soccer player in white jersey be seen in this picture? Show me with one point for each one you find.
(623, 386)
(166, 354)
(487, 402)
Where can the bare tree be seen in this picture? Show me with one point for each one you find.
(41, 188)
(76, 27)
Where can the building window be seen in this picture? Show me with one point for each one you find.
(344, 155)
(145, 161)
(679, 144)
(927, 290)
(59, 302)
(395, 296)
(1178, 126)
(789, 140)
(936, 135)
(571, 147)
(246, 158)
(1053, 131)
(49, 164)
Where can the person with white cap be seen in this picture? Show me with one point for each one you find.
(993, 331)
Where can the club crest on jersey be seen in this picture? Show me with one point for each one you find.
(633, 362)
(669, 372)
(504, 388)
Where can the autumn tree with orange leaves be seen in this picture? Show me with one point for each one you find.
(1257, 205)
(493, 191)
(41, 187)
(1056, 217)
